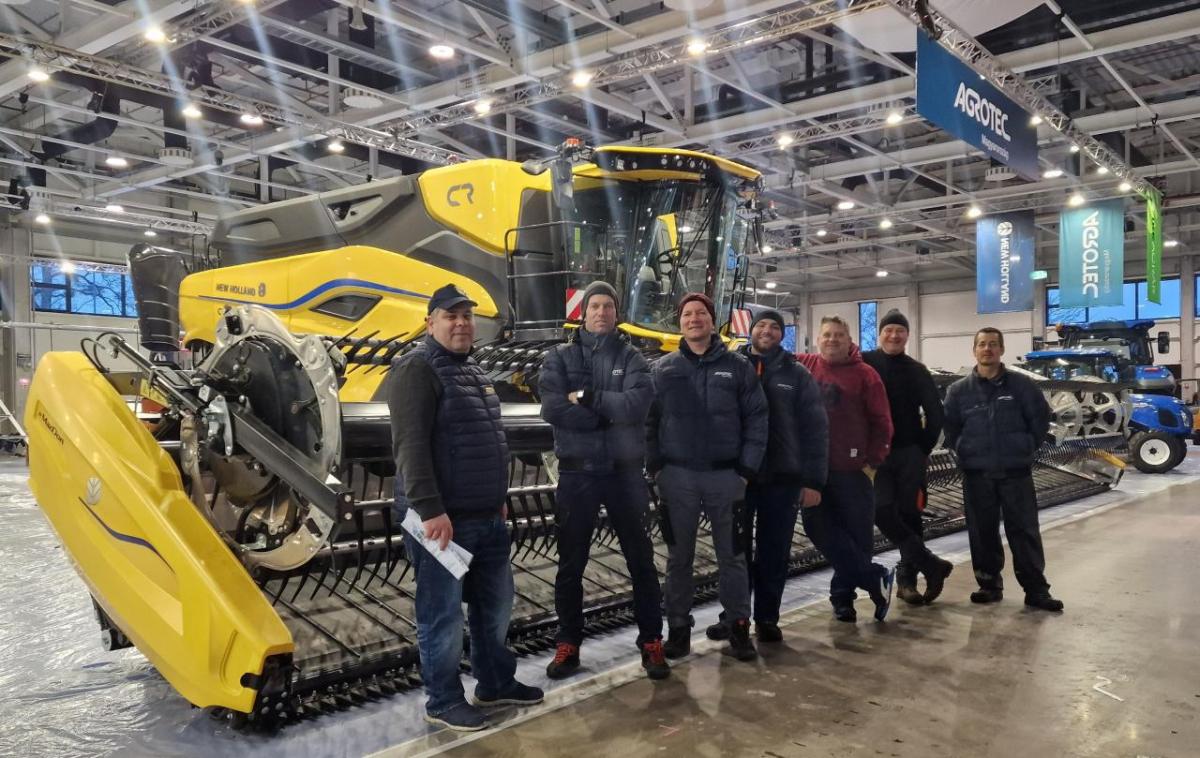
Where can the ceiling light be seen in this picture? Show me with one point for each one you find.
(1171, 243)
(1035, 121)
(67, 267)
(581, 78)
(155, 34)
(771, 285)
(38, 74)
(116, 161)
(441, 52)
(974, 211)
(1076, 200)
(191, 111)
(336, 146)
(1124, 187)
(358, 21)
(150, 233)
(767, 249)
(885, 223)
(696, 47)
(114, 208)
(251, 119)
(845, 205)
(42, 218)
(483, 106)
(1074, 148)
(881, 273)
(1052, 173)
(894, 118)
(821, 232)
(685, 229)
(784, 140)
(1102, 170)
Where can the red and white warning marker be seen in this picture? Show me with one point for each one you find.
(574, 305)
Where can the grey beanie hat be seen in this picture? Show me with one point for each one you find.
(598, 287)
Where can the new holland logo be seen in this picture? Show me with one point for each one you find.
(93, 492)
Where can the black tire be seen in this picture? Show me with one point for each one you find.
(1156, 452)
(1180, 453)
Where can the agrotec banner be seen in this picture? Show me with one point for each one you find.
(1004, 252)
(1091, 255)
(951, 95)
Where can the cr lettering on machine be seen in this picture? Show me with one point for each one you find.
(982, 110)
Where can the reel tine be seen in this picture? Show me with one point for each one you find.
(360, 553)
(386, 514)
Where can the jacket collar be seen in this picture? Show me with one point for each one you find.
(774, 359)
(716, 348)
(998, 380)
(435, 348)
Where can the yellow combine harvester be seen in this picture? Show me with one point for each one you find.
(243, 538)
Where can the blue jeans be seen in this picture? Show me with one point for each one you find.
(487, 589)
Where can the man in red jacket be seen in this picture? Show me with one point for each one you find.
(842, 525)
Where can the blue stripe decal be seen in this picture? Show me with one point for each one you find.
(320, 290)
(126, 537)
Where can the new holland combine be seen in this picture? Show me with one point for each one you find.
(242, 536)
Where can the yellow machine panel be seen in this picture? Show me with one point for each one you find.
(480, 199)
(152, 562)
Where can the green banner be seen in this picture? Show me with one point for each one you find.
(1154, 246)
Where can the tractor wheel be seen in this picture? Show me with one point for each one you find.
(1156, 452)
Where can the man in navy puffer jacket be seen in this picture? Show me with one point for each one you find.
(596, 392)
(706, 437)
(995, 423)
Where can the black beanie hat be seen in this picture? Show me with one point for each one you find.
(598, 287)
(701, 297)
(773, 315)
(893, 317)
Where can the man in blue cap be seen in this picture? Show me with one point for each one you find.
(452, 469)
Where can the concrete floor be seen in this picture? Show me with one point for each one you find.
(952, 679)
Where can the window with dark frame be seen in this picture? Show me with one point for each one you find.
(89, 290)
(1135, 305)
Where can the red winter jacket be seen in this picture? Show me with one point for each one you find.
(860, 420)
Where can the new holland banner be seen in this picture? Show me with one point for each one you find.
(1091, 255)
(1004, 247)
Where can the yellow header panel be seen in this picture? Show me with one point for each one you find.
(479, 199)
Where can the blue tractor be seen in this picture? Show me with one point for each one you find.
(1158, 426)
(1129, 342)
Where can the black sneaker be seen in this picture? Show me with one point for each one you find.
(463, 717)
(1043, 601)
(845, 613)
(767, 632)
(565, 663)
(740, 643)
(718, 631)
(679, 642)
(654, 660)
(987, 595)
(514, 694)
(935, 577)
(881, 596)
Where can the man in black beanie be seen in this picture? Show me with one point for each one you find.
(792, 473)
(596, 392)
(917, 418)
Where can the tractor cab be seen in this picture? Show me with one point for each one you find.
(1129, 343)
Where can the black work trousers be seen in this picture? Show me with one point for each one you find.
(988, 497)
(626, 501)
(841, 527)
(773, 509)
(898, 485)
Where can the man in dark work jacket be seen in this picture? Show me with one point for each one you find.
(916, 426)
(452, 469)
(995, 423)
(596, 392)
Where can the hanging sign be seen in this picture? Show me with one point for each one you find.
(951, 95)
(1154, 246)
(1091, 255)
(1004, 258)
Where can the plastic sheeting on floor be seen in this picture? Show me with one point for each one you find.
(61, 694)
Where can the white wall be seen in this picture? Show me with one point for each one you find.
(949, 322)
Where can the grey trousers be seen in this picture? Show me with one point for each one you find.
(687, 494)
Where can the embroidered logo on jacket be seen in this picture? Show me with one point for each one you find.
(618, 372)
(783, 386)
(723, 374)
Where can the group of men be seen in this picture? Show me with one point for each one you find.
(751, 438)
